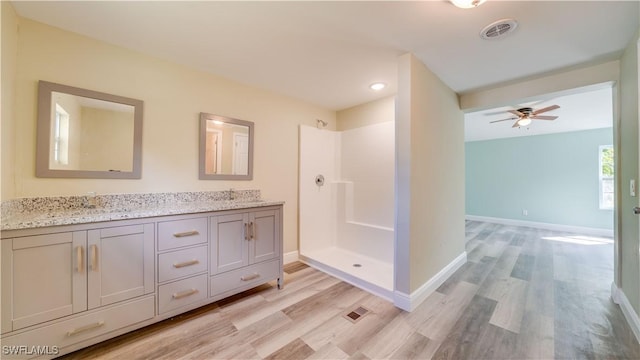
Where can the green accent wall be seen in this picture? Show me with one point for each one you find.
(554, 177)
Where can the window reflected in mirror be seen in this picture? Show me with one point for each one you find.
(226, 148)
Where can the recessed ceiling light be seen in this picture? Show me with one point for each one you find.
(467, 4)
(378, 86)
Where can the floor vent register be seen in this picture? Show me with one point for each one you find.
(357, 314)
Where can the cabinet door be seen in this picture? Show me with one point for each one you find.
(43, 278)
(229, 242)
(120, 264)
(265, 235)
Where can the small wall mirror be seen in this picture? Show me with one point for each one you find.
(87, 134)
(226, 148)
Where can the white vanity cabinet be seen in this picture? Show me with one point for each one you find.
(182, 263)
(245, 250)
(70, 286)
(44, 277)
(64, 282)
(120, 264)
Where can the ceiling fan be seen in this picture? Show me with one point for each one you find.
(526, 114)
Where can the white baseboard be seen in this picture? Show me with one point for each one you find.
(410, 302)
(291, 256)
(630, 314)
(538, 225)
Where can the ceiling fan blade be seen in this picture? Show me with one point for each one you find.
(516, 113)
(515, 125)
(548, 108)
(490, 122)
(543, 117)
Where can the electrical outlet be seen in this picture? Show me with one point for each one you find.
(525, 212)
(632, 187)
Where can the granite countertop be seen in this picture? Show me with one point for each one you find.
(56, 216)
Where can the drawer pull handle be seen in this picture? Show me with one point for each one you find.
(246, 231)
(250, 277)
(186, 233)
(253, 230)
(186, 263)
(85, 328)
(94, 257)
(79, 257)
(185, 293)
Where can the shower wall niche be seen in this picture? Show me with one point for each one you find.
(346, 224)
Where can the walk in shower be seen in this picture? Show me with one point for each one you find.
(347, 204)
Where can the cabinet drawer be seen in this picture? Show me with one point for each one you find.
(180, 293)
(178, 233)
(69, 332)
(180, 263)
(254, 274)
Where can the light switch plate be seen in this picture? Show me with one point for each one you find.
(632, 187)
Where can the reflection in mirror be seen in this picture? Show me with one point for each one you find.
(77, 140)
(226, 148)
(87, 134)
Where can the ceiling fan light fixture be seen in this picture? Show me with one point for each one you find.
(467, 4)
(524, 122)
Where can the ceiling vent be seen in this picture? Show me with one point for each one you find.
(498, 29)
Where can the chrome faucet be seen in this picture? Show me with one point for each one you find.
(90, 200)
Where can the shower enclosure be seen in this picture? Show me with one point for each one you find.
(347, 204)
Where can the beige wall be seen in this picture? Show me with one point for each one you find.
(8, 65)
(430, 175)
(374, 112)
(173, 97)
(628, 165)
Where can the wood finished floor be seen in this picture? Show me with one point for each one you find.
(523, 294)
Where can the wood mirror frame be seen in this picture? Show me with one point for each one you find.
(222, 156)
(44, 169)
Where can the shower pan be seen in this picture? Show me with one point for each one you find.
(347, 204)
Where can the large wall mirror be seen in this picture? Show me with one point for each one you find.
(87, 134)
(226, 148)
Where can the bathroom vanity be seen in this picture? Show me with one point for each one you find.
(74, 277)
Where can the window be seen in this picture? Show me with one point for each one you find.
(61, 136)
(606, 177)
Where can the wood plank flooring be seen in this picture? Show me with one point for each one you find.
(524, 294)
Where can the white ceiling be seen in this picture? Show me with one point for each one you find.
(328, 53)
(589, 109)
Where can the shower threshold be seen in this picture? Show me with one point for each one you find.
(367, 273)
